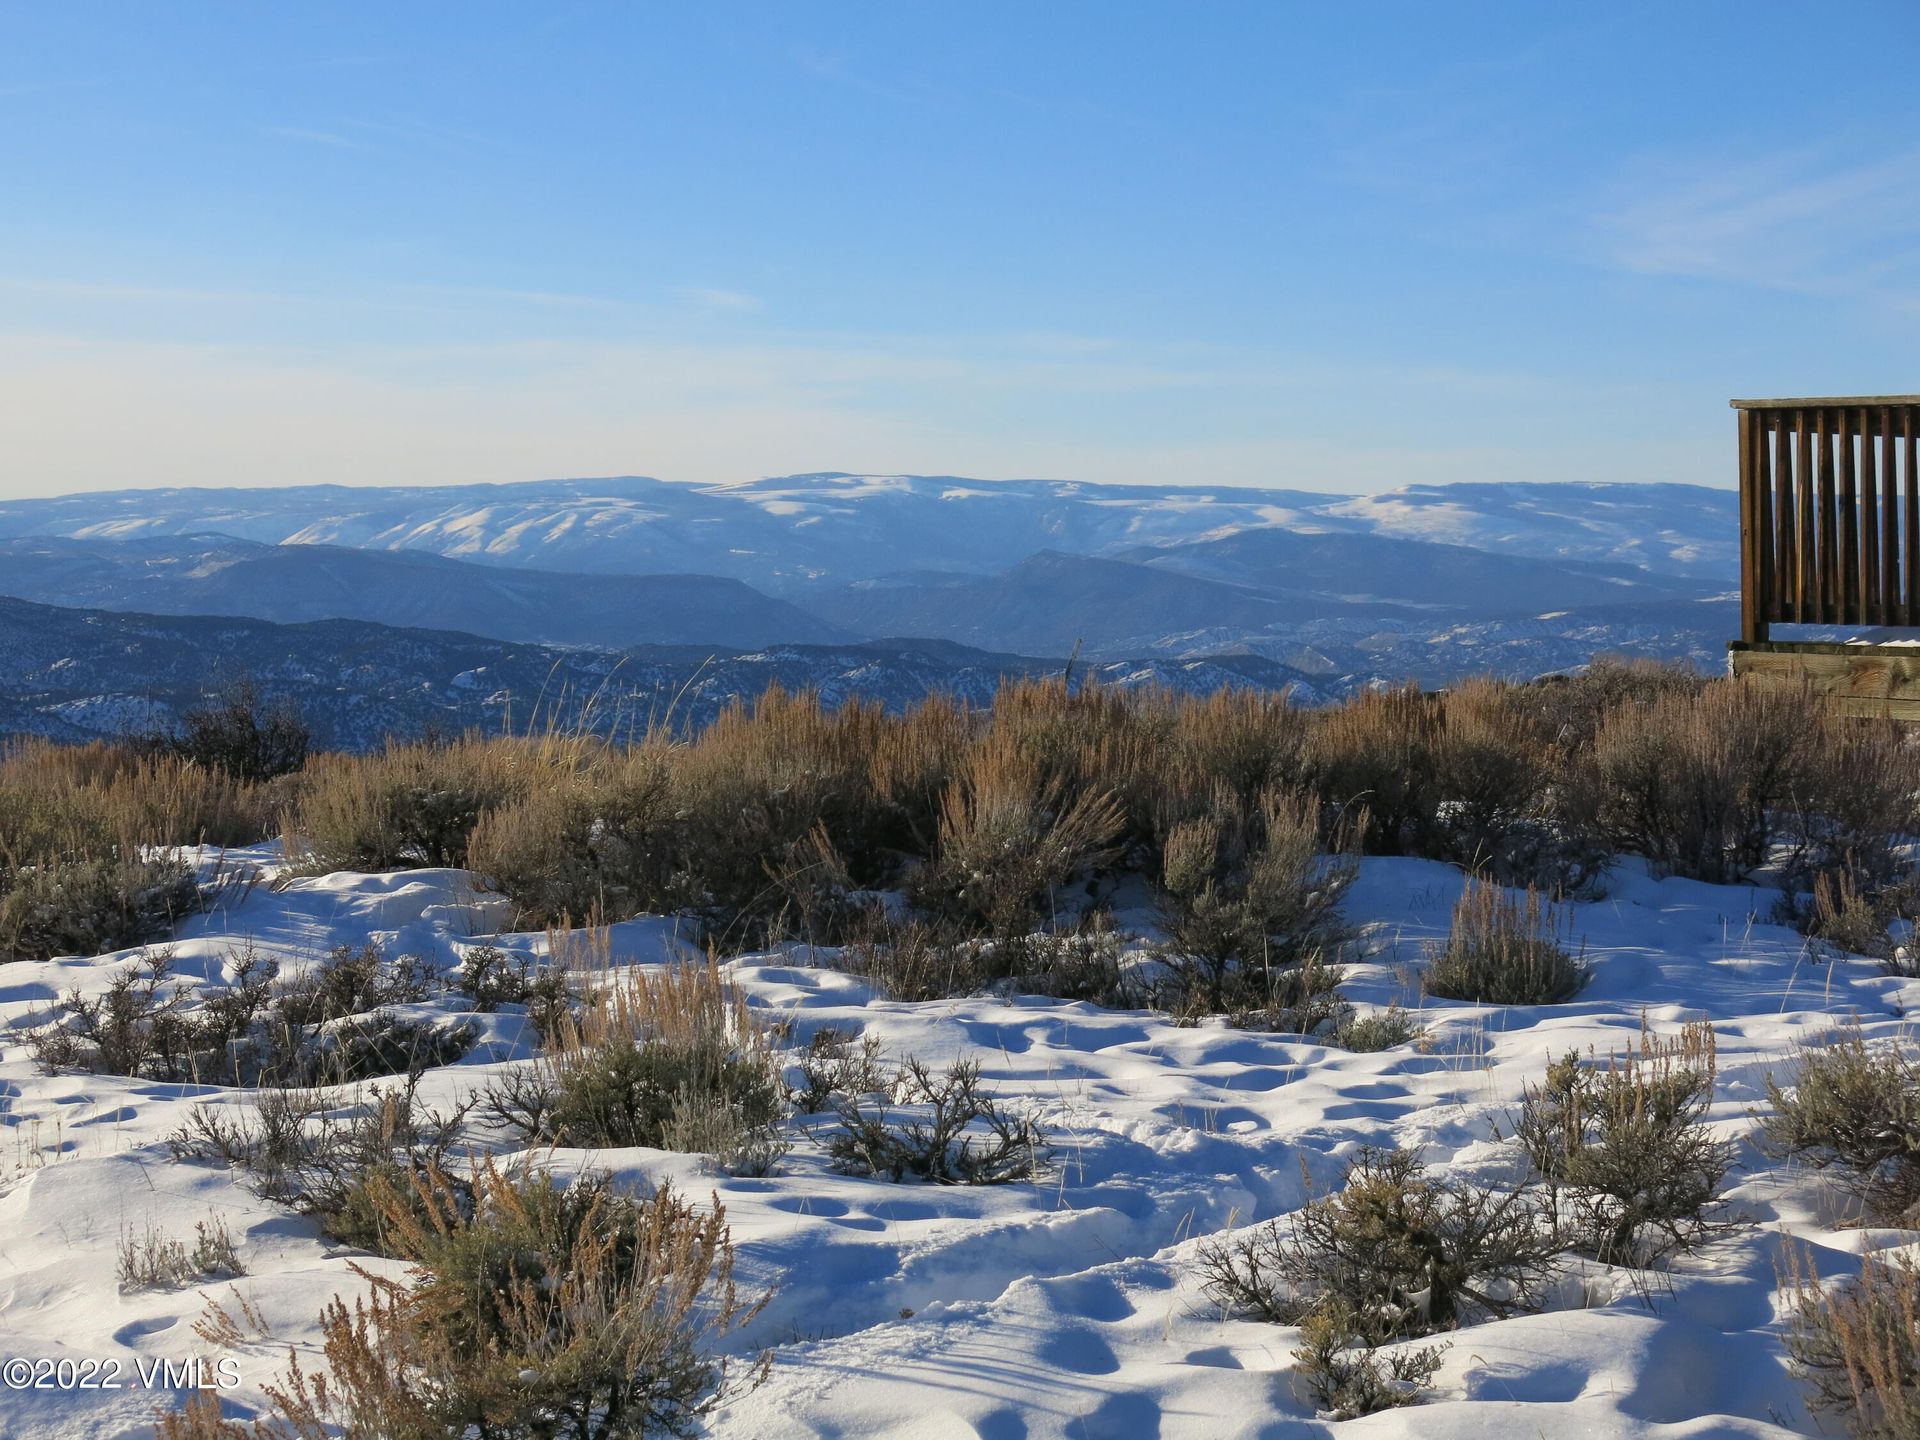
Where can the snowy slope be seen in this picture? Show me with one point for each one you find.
(1677, 529)
(1064, 1308)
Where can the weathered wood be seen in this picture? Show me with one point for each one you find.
(1892, 608)
(1912, 561)
(1830, 535)
(1827, 569)
(1783, 591)
(1812, 402)
(1751, 624)
(1856, 679)
(1803, 586)
(1847, 577)
(1870, 613)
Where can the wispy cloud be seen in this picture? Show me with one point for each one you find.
(709, 297)
(306, 136)
(1817, 221)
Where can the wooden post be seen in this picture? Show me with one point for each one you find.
(1847, 576)
(1870, 612)
(1907, 413)
(1806, 588)
(1752, 627)
(1783, 592)
(1893, 610)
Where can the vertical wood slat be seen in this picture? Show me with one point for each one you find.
(1805, 587)
(1830, 516)
(1869, 569)
(1829, 552)
(1913, 515)
(1752, 628)
(1893, 610)
(1892, 613)
(1845, 575)
(1781, 601)
(1767, 596)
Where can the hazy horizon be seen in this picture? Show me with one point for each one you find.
(1245, 246)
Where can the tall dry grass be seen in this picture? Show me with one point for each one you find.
(776, 819)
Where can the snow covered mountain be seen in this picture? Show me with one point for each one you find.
(792, 532)
(1426, 584)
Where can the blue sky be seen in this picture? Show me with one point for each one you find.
(1329, 246)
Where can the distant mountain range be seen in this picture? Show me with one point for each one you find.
(388, 609)
(218, 575)
(78, 675)
(799, 531)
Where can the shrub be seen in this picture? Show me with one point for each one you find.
(954, 1133)
(1010, 834)
(1085, 745)
(1626, 1144)
(763, 793)
(238, 735)
(370, 1046)
(1506, 812)
(1573, 707)
(1857, 1344)
(324, 1029)
(1376, 753)
(152, 1260)
(1854, 1108)
(1396, 1250)
(354, 980)
(668, 1060)
(833, 1068)
(1851, 919)
(411, 804)
(918, 961)
(1086, 963)
(490, 978)
(1250, 909)
(533, 1312)
(598, 843)
(1381, 1030)
(1699, 782)
(1348, 1376)
(1859, 804)
(1501, 950)
(91, 905)
(298, 1148)
(65, 803)
(134, 1027)
(1247, 741)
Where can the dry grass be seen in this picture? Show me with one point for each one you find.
(1503, 950)
(670, 1057)
(1857, 1344)
(1697, 782)
(83, 866)
(1011, 831)
(1378, 752)
(781, 817)
(533, 1310)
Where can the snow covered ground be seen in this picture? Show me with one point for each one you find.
(1067, 1307)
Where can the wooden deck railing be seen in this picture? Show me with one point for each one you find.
(1829, 512)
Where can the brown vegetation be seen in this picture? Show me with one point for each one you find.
(780, 818)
